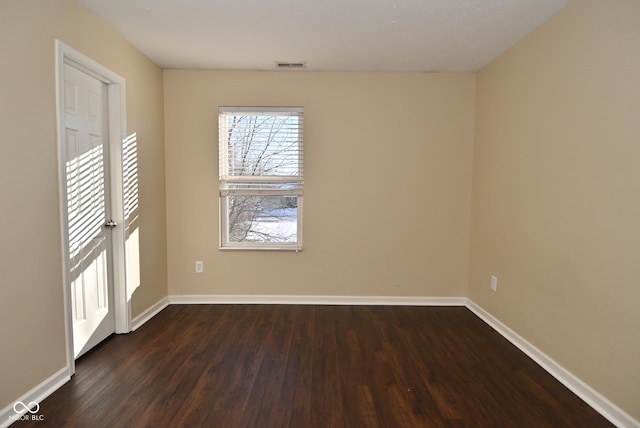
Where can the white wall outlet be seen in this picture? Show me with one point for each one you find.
(494, 283)
(199, 266)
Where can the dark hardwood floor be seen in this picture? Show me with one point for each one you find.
(312, 366)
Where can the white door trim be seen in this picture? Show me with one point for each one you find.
(117, 133)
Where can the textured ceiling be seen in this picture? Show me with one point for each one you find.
(328, 35)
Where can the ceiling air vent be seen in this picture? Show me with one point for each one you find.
(290, 65)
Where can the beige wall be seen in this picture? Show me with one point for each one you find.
(387, 184)
(32, 314)
(556, 186)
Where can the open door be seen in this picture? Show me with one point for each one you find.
(89, 225)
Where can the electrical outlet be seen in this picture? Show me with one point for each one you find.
(199, 266)
(494, 283)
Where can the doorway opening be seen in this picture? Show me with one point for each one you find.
(91, 132)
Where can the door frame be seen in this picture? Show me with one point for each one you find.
(116, 97)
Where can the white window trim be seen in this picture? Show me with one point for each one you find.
(297, 247)
(224, 243)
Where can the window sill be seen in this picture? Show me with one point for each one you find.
(259, 248)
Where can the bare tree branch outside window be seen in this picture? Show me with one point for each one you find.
(262, 176)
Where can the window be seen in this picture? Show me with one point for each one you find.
(260, 151)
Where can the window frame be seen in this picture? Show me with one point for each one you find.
(225, 180)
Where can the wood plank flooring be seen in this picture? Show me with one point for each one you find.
(312, 366)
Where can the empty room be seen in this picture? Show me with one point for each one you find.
(384, 213)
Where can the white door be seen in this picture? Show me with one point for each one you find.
(89, 222)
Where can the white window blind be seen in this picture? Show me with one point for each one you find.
(261, 176)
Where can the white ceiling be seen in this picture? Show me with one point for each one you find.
(329, 35)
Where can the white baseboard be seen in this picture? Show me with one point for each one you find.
(151, 312)
(606, 408)
(37, 394)
(211, 299)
